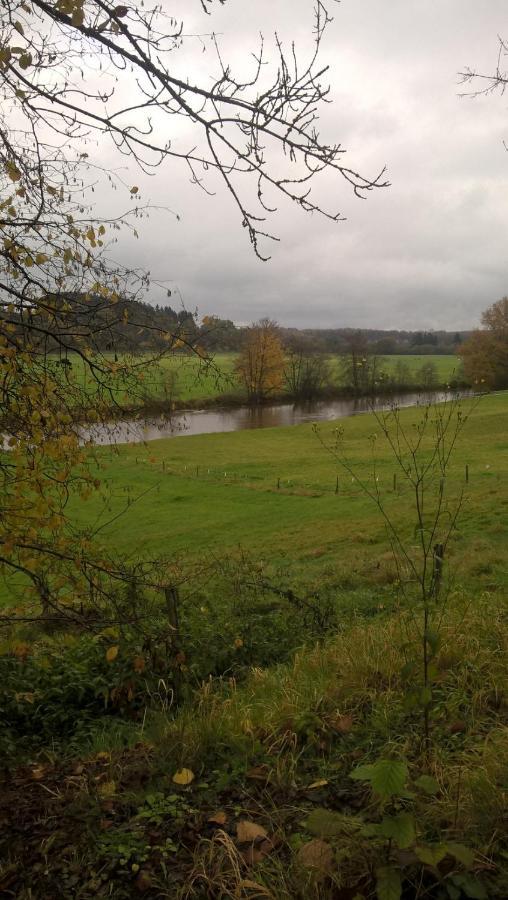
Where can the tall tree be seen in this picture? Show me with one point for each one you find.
(485, 352)
(260, 366)
(360, 367)
(306, 370)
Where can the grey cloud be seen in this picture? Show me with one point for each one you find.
(428, 251)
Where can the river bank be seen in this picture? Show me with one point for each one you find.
(224, 418)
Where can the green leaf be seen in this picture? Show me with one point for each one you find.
(470, 886)
(407, 670)
(388, 883)
(425, 696)
(324, 823)
(362, 773)
(388, 777)
(453, 892)
(461, 853)
(433, 640)
(427, 784)
(400, 829)
(431, 854)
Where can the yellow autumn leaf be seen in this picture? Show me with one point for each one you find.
(21, 650)
(183, 776)
(317, 784)
(238, 642)
(111, 653)
(107, 789)
(218, 818)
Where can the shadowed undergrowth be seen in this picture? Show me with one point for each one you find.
(277, 752)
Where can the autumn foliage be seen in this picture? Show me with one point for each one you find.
(485, 354)
(260, 366)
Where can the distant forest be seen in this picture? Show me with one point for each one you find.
(214, 334)
(131, 325)
(221, 335)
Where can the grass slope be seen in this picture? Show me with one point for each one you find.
(245, 790)
(212, 493)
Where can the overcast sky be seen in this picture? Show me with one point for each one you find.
(430, 251)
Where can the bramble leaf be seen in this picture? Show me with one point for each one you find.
(461, 853)
(427, 784)
(400, 829)
(431, 854)
(387, 777)
(388, 883)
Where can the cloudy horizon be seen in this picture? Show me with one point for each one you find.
(427, 252)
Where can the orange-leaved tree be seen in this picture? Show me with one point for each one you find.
(260, 366)
(485, 352)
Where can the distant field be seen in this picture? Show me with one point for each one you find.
(211, 494)
(192, 382)
(185, 379)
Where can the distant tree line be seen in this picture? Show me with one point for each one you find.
(113, 329)
(270, 363)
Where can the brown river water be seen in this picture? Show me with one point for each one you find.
(210, 421)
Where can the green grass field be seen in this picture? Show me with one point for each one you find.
(185, 379)
(272, 492)
(279, 724)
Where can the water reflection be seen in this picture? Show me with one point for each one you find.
(209, 421)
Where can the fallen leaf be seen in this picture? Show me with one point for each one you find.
(238, 642)
(38, 772)
(21, 650)
(258, 773)
(457, 727)
(138, 664)
(249, 831)
(343, 724)
(111, 654)
(218, 818)
(317, 784)
(102, 756)
(183, 776)
(254, 853)
(143, 881)
(107, 789)
(316, 855)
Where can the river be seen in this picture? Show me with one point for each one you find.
(210, 421)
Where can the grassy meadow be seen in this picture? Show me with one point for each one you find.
(273, 493)
(281, 754)
(187, 380)
(191, 382)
